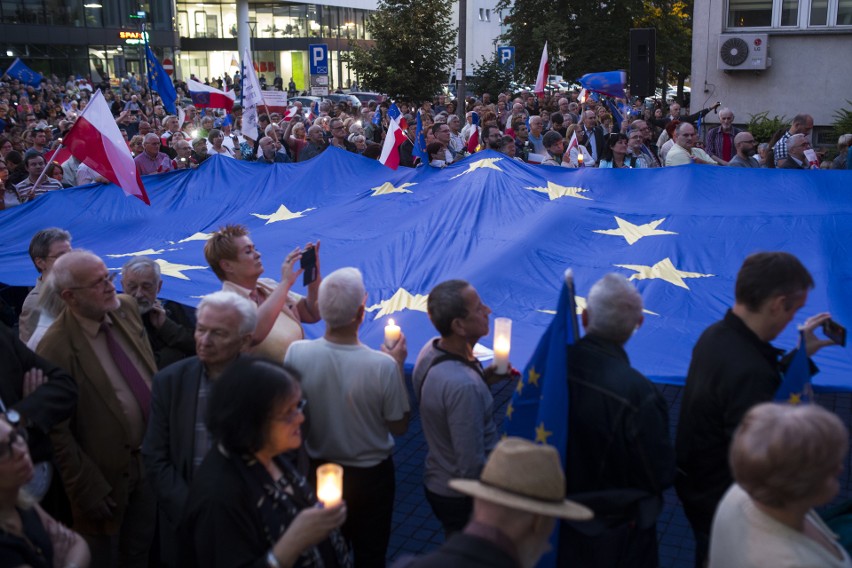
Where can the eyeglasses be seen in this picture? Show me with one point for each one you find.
(100, 284)
(291, 416)
(8, 448)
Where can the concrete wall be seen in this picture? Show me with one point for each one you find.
(811, 72)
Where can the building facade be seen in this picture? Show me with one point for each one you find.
(781, 56)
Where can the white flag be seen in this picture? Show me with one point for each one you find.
(252, 96)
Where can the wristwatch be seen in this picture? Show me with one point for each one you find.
(13, 417)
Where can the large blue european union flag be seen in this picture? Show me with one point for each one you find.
(509, 228)
(19, 70)
(159, 81)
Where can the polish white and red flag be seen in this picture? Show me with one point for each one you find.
(96, 141)
(205, 96)
(394, 138)
(543, 72)
(296, 108)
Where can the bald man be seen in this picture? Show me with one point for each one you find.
(745, 146)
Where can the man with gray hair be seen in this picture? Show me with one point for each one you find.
(99, 338)
(176, 440)
(151, 160)
(796, 159)
(46, 246)
(721, 140)
(170, 340)
(356, 400)
(619, 458)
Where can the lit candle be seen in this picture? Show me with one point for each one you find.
(502, 344)
(330, 484)
(580, 158)
(391, 334)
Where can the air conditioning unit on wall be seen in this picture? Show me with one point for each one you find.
(744, 52)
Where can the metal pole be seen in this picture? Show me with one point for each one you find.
(460, 86)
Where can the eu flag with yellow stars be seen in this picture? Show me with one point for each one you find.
(796, 383)
(158, 81)
(540, 402)
(539, 407)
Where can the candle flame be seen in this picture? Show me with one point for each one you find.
(391, 322)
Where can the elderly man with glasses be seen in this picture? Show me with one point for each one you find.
(100, 339)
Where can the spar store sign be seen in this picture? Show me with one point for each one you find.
(133, 38)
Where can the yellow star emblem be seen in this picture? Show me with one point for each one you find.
(510, 410)
(388, 187)
(480, 164)
(795, 398)
(663, 270)
(176, 270)
(519, 388)
(402, 299)
(555, 191)
(194, 237)
(146, 252)
(283, 214)
(632, 233)
(541, 434)
(533, 376)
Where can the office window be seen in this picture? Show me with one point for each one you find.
(749, 13)
(789, 13)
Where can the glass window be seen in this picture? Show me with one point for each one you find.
(819, 13)
(844, 13)
(32, 12)
(10, 11)
(93, 17)
(789, 12)
(229, 20)
(749, 13)
(161, 14)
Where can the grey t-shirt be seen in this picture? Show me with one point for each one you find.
(457, 413)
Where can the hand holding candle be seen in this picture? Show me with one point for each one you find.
(330, 484)
(392, 332)
(502, 344)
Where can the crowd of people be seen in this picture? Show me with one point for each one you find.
(560, 130)
(168, 436)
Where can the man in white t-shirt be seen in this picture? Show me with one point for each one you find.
(356, 400)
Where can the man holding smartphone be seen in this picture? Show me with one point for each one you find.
(734, 366)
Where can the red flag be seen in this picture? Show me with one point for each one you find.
(473, 141)
(60, 155)
(96, 141)
(393, 140)
(543, 72)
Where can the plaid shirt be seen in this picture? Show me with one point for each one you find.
(780, 148)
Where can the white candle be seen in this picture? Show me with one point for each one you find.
(502, 344)
(392, 332)
(330, 484)
(580, 158)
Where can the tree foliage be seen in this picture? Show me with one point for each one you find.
(585, 37)
(490, 76)
(415, 47)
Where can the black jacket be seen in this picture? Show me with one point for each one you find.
(50, 404)
(731, 370)
(620, 457)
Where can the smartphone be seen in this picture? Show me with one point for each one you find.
(309, 265)
(835, 332)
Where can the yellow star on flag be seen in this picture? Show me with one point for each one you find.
(795, 398)
(580, 302)
(519, 388)
(388, 187)
(555, 191)
(480, 164)
(146, 252)
(541, 434)
(283, 214)
(176, 270)
(632, 233)
(402, 299)
(663, 270)
(509, 410)
(194, 237)
(533, 376)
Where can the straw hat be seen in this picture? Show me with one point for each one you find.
(525, 476)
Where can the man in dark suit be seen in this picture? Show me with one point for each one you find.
(176, 440)
(594, 135)
(100, 339)
(796, 159)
